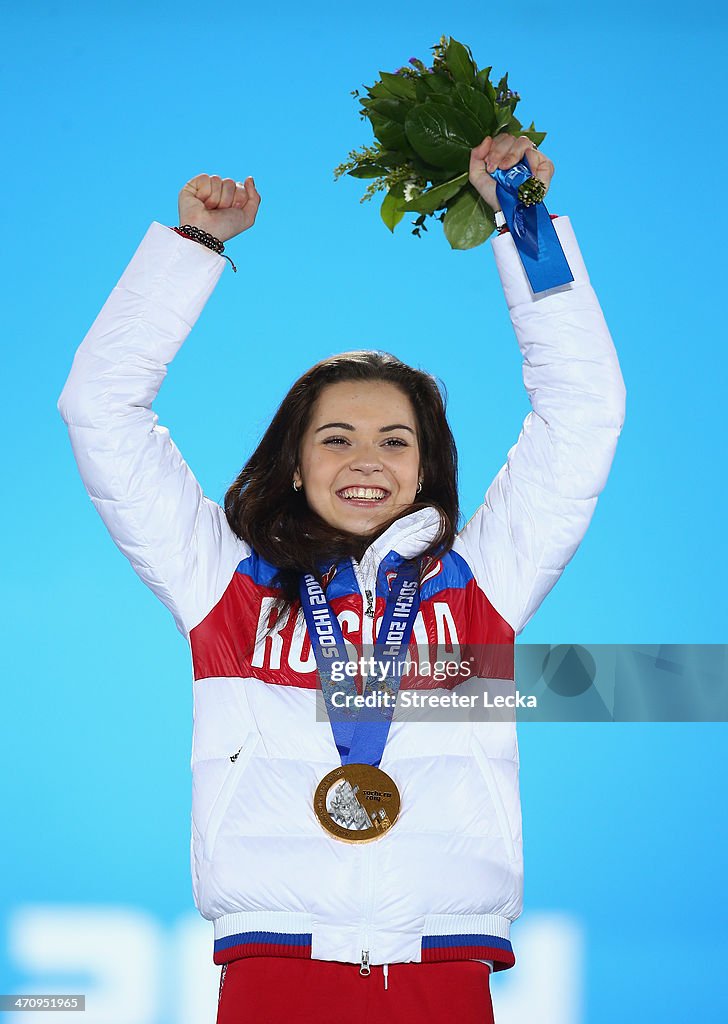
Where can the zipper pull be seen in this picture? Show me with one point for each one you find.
(370, 604)
(365, 968)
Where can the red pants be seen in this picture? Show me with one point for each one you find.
(287, 990)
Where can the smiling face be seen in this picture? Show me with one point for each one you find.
(360, 456)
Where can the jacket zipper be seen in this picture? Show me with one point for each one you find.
(367, 601)
(365, 969)
(366, 587)
(367, 609)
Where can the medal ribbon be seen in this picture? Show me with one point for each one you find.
(360, 742)
(533, 232)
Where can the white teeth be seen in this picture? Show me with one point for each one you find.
(365, 493)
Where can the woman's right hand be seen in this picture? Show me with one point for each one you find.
(222, 207)
(505, 151)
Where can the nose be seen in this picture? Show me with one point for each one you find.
(366, 462)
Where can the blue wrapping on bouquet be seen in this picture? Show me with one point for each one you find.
(533, 233)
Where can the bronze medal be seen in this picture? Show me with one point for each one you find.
(356, 803)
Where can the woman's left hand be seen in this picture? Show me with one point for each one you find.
(505, 151)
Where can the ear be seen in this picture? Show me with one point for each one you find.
(297, 478)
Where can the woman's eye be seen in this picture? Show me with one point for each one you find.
(392, 442)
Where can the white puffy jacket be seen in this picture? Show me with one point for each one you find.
(446, 881)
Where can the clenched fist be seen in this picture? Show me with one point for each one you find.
(222, 207)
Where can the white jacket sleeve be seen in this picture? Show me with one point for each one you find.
(177, 540)
(539, 506)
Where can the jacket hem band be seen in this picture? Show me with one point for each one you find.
(450, 937)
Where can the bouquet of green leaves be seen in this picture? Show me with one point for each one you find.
(425, 121)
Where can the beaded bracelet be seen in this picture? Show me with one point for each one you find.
(198, 235)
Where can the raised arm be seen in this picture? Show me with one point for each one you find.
(539, 506)
(177, 540)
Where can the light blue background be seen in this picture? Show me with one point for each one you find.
(110, 113)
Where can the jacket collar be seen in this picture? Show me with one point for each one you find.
(408, 536)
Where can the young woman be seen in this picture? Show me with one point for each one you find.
(345, 517)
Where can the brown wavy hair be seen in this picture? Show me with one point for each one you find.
(263, 509)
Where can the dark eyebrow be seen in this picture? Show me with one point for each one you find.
(348, 426)
(395, 426)
(326, 426)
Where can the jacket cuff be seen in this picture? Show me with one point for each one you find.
(513, 277)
